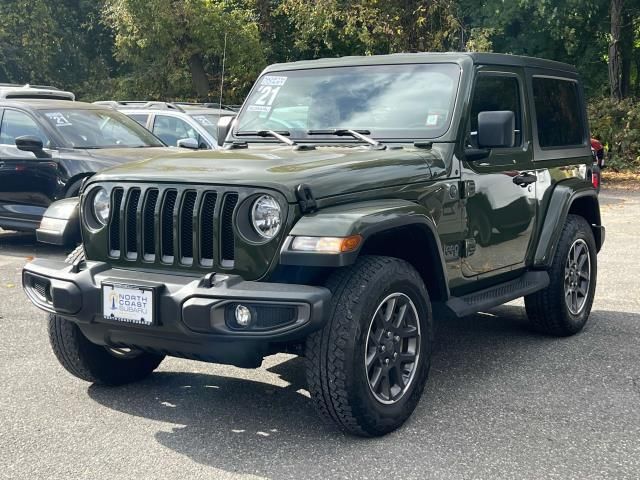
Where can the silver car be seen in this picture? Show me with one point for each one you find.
(188, 125)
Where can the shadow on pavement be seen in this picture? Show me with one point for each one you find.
(257, 428)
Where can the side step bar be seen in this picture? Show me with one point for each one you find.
(528, 283)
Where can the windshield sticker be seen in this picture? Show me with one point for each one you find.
(202, 120)
(258, 108)
(58, 119)
(273, 81)
(432, 120)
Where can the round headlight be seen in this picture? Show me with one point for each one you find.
(101, 206)
(266, 216)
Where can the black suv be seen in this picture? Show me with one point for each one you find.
(48, 147)
(356, 199)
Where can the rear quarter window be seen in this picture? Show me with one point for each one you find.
(558, 112)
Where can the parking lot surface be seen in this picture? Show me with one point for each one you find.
(502, 401)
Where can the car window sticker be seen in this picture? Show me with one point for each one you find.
(58, 119)
(202, 120)
(267, 92)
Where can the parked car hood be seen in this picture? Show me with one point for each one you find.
(328, 171)
(116, 156)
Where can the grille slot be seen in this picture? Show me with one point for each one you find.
(166, 224)
(114, 231)
(172, 225)
(227, 237)
(187, 227)
(149, 224)
(131, 230)
(207, 225)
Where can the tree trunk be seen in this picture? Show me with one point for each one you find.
(199, 76)
(626, 50)
(615, 50)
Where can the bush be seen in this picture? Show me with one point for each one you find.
(617, 126)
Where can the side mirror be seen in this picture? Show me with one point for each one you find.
(224, 127)
(496, 129)
(29, 143)
(190, 143)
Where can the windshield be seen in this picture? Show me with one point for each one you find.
(99, 129)
(209, 122)
(390, 101)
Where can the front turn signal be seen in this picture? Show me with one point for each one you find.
(326, 244)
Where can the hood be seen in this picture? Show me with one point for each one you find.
(329, 171)
(113, 156)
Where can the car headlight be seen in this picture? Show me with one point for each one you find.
(101, 206)
(266, 216)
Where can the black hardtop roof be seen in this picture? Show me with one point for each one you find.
(44, 104)
(425, 57)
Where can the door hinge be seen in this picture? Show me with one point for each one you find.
(467, 188)
(468, 247)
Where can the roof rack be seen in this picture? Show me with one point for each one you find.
(142, 104)
(28, 85)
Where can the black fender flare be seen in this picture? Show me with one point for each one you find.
(563, 197)
(367, 219)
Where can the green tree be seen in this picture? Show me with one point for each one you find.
(175, 48)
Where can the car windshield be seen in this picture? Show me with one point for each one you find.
(99, 129)
(209, 122)
(390, 101)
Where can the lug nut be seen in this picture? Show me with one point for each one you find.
(396, 338)
(382, 348)
(389, 334)
(386, 361)
(395, 355)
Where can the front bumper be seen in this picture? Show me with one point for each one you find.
(191, 319)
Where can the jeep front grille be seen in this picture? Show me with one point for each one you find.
(173, 225)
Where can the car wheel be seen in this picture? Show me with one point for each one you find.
(367, 368)
(563, 307)
(96, 363)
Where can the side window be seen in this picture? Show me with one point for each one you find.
(558, 112)
(496, 93)
(17, 124)
(171, 129)
(140, 118)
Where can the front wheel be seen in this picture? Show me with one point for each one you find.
(563, 308)
(367, 368)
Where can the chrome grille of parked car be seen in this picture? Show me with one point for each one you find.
(173, 226)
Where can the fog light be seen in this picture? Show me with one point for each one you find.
(243, 316)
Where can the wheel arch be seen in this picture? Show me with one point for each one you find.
(567, 198)
(394, 228)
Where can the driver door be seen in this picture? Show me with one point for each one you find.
(28, 183)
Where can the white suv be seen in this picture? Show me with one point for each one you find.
(14, 91)
(189, 125)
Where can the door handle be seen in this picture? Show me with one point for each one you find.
(525, 178)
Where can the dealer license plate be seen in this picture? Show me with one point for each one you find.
(127, 304)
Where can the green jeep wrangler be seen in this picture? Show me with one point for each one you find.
(355, 199)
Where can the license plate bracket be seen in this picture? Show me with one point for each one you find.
(128, 304)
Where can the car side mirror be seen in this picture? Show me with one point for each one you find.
(29, 143)
(224, 127)
(496, 129)
(190, 143)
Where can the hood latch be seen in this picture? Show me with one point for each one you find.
(305, 198)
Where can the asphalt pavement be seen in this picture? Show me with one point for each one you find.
(502, 401)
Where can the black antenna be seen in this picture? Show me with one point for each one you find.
(224, 58)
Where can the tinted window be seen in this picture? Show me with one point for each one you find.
(97, 128)
(140, 118)
(171, 129)
(17, 124)
(391, 101)
(558, 112)
(496, 93)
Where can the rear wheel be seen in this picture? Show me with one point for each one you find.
(367, 368)
(563, 307)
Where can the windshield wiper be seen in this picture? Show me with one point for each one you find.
(347, 132)
(280, 135)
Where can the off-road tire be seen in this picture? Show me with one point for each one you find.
(547, 309)
(336, 376)
(91, 362)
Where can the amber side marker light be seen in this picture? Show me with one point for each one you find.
(326, 244)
